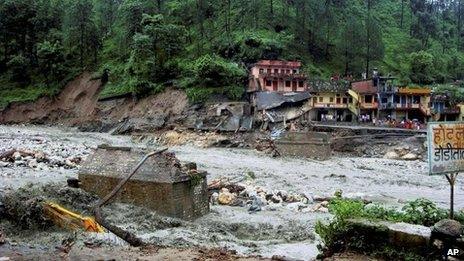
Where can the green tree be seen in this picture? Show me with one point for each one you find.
(80, 32)
(422, 67)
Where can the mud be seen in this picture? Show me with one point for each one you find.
(279, 230)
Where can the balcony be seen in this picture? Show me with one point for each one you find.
(331, 105)
(369, 105)
(408, 106)
(387, 106)
(453, 110)
(283, 75)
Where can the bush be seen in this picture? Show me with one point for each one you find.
(337, 235)
(199, 95)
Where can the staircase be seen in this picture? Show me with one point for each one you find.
(354, 106)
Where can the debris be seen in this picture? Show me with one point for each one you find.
(67, 219)
(225, 197)
(256, 204)
(2, 238)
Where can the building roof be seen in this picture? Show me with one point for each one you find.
(269, 100)
(328, 86)
(116, 162)
(416, 91)
(364, 87)
(279, 63)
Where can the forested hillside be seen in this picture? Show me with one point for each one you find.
(205, 46)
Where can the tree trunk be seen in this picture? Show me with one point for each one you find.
(368, 37)
(402, 14)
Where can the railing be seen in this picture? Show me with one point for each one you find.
(364, 105)
(408, 105)
(283, 75)
(454, 110)
(387, 106)
(331, 105)
(388, 89)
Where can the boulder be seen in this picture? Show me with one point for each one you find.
(391, 155)
(32, 163)
(448, 228)
(17, 156)
(409, 156)
(225, 197)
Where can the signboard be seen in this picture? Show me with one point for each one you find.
(445, 147)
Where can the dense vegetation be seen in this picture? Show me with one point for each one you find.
(205, 46)
(337, 235)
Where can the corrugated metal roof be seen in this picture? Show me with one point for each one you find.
(269, 100)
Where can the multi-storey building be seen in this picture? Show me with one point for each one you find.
(443, 109)
(331, 101)
(279, 83)
(277, 76)
(367, 97)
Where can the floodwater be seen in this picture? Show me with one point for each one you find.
(277, 231)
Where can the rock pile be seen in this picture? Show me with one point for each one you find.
(403, 153)
(256, 198)
(38, 160)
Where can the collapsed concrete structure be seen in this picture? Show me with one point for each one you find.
(314, 145)
(223, 116)
(162, 183)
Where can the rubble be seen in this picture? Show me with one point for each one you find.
(257, 198)
(225, 197)
(38, 160)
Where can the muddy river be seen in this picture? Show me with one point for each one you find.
(273, 231)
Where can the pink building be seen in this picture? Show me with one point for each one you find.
(277, 76)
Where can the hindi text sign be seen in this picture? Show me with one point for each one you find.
(445, 147)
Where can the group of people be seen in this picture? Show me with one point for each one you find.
(391, 122)
(404, 123)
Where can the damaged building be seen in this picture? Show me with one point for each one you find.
(161, 183)
(278, 92)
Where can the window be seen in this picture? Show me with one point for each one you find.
(321, 99)
(269, 71)
(276, 70)
(339, 100)
(294, 71)
(331, 99)
(300, 84)
(345, 100)
(261, 70)
(368, 99)
(288, 71)
(268, 83)
(314, 99)
(287, 83)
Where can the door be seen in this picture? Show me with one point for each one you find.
(274, 85)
